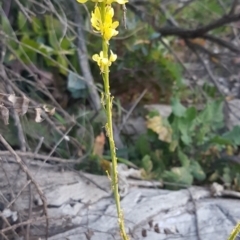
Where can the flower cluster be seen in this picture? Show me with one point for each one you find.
(102, 22)
(105, 1)
(106, 27)
(102, 61)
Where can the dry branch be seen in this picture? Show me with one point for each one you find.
(29, 175)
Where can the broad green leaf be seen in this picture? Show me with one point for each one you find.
(233, 135)
(66, 44)
(186, 139)
(173, 145)
(147, 163)
(210, 90)
(46, 50)
(177, 108)
(185, 162)
(37, 25)
(190, 116)
(197, 171)
(212, 113)
(142, 145)
(221, 140)
(54, 30)
(227, 178)
(183, 125)
(22, 23)
(59, 118)
(7, 29)
(28, 51)
(178, 175)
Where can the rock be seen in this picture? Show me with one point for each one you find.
(81, 206)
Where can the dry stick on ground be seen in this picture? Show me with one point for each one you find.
(8, 225)
(30, 200)
(15, 116)
(199, 32)
(17, 225)
(12, 194)
(211, 76)
(17, 90)
(9, 89)
(26, 171)
(21, 137)
(42, 157)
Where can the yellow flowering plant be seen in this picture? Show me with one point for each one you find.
(103, 23)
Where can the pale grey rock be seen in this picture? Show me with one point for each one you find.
(80, 209)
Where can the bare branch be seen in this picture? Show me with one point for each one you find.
(29, 175)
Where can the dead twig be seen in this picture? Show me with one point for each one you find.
(198, 32)
(26, 171)
(2, 231)
(42, 157)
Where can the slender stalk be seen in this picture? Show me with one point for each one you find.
(109, 129)
(235, 232)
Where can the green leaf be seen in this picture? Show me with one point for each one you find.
(37, 26)
(177, 108)
(185, 162)
(54, 29)
(173, 145)
(233, 135)
(28, 52)
(22, 23)
(183, 125)
(186, 139)
(147, 163)
(142, 145)
(66, 44)
(7, 29)
(227, 178)
(209, 90)
(63, 64)
(59, 118)
(221, 140)
(178, 175)
(190, 116)
(197, 171)
(212, 113)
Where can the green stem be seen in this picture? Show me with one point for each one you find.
(109, 129)
(235, 232)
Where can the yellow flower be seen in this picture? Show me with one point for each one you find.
(105, 26)
(113, 57)
(106, 1)
(103, 61)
